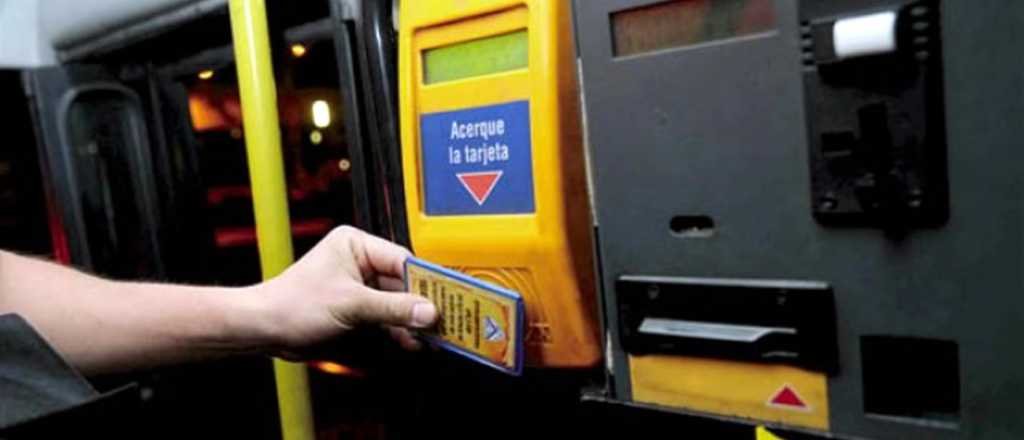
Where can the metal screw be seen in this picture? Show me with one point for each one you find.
(828, 203)
(653, 291)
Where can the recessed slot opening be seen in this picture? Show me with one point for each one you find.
(914, 380)
(692, 226)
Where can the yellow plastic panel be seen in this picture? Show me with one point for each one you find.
(544, 253)
(736, 389)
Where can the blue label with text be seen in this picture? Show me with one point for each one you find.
(478, 160)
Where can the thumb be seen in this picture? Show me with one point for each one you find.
(405, 310)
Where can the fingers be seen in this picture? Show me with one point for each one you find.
(384, 257)
(390, 284)
(405, 338)
(370, 306)
(373, 254)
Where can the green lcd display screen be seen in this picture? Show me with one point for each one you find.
(484, 56)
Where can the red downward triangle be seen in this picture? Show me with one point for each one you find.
(480, 184)
(788, 398)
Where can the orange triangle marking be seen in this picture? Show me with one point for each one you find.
(480, 184)
(786, 397)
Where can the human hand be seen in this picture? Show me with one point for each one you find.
(350, 279)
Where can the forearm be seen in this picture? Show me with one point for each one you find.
(102, 326)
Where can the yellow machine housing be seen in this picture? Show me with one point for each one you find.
(493, 162)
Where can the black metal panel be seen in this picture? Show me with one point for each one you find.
(379, 43)
(365, 189)
(366, 47)
(717, 132)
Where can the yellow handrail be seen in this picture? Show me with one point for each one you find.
(269, 193)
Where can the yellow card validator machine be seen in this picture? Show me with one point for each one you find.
(493, 162)
(477, 320)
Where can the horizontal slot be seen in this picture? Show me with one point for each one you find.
(711, 331)
(773, 321)
(698, 226)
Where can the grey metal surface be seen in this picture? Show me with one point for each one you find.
(100, 36)
(718, 130)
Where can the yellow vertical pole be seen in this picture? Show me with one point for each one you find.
(762, 433)
(269, 194)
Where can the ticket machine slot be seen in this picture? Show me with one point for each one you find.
(787, 322)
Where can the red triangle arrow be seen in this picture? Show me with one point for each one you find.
(788, 398)
(480, 184)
